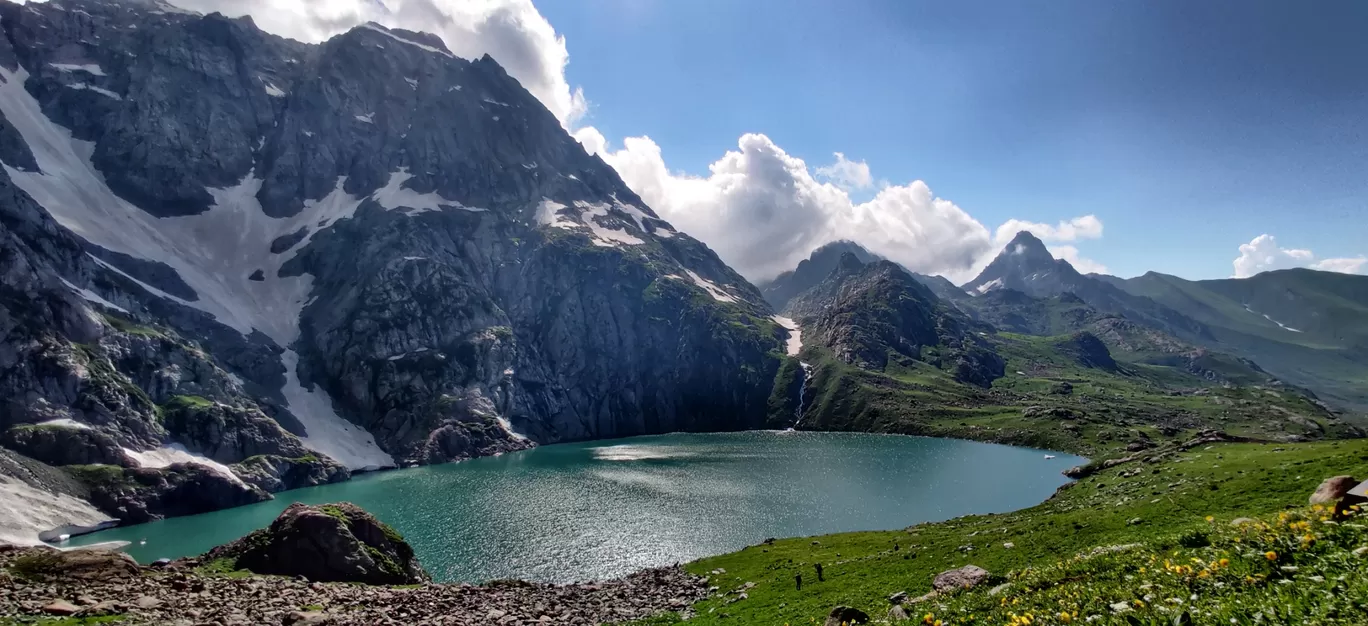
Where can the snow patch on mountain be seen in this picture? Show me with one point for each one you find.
(1265, 316)
(25, 512)
(213, 252)
(89, 68)
(326, 431)
(104, 92)
(386, 32)
(274, 92)
(91, 296)
(713, 290)
(988, 286)
(604, 236)
(65, 422)
(176, 453)
(393, 196)
(794, 343)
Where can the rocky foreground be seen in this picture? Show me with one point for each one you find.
(329, 542)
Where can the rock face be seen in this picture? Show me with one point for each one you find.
(318, 258)
(865, 312)
(142, 495)
(326, 543)
(961, 578)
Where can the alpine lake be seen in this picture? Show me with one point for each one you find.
(603, 509)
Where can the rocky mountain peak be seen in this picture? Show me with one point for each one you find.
(1025, 264)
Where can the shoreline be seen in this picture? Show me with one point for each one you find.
(1041, 478)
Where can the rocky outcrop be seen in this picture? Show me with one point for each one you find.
(142, 495)
(370, 232)
(1085, 349)
(965, 577)
(277, 473)
(327, 543)
(866, 312)
(176, 594)
(65, 444)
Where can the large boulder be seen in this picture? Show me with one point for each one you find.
(1334, 492)
(962, 578)
(44, 563)
(843, 615)
(326, 543)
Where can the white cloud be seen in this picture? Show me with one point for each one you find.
(1263, 254)
(760, 208)
(1080, 263)
(1352, 265)
(847, 174)
(1085, 227)
(763, 210)
(511, 31)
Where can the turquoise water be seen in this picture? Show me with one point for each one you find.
(597, 510)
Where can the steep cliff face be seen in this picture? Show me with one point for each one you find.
(869, 314)
(272, 258)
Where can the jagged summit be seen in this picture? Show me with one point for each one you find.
(1026, 265)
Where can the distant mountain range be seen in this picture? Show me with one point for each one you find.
(1306, 328)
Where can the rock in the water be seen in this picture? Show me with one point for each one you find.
(962, 578)
(846, 615)
(327, 543)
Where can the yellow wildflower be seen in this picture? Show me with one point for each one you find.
(1271, 555)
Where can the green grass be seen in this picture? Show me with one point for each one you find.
(61, 621)
(124, 326)
(196, 403)
(223, 567)
(1155, 507)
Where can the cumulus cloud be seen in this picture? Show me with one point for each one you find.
(760, 208)
(847, 174)
(1080, 263)
(1263, 254)
(763, 210)
(1085, 227)
(511, 31)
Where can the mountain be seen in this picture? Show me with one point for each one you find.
(883, 353)
(1306, 326)
(814, 269)
(285, 261)
(868, 313)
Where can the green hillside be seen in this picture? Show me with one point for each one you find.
(1154, 536)
(1307, 327)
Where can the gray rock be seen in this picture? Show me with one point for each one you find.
(965, 577)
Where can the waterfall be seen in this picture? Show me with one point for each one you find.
(804, 372)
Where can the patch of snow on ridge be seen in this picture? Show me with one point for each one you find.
(326, 431)
(213, 252)
(713, 290)
(386, 32)
(91, 296)
(394, 196)
(274, 92)
(603, 236)
(368, 118)
(1265, 316)
(795, 337)
(104, 92)
(65, 422)
(989, 286)
(25, 512)
(176, 453)
(89, 68)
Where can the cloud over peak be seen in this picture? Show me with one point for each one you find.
(1263, 254)
(511, 31)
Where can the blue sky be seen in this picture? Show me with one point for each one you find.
(1187, 128)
